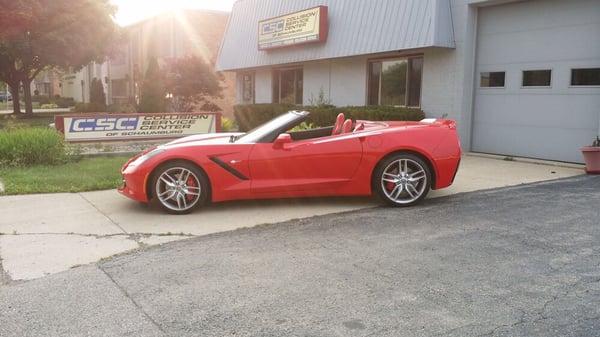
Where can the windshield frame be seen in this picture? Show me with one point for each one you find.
(268, 132)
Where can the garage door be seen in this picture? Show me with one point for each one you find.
(526, 102)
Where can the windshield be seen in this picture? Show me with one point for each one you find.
(272, 128)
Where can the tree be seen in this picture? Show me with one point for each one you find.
(153, 89)
(192, 84)
(16, 16)
(57, 33)
(97, 96)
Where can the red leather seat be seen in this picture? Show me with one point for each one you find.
(339, 120)
(347, 127)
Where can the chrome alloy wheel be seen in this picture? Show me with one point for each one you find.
(403, 181)
(178, 189)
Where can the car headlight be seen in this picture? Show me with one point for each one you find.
(141, 159)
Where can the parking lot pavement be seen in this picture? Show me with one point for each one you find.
(45, 234)
(518, 261)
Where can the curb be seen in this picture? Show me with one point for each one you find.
(106, 154)
(526, 160)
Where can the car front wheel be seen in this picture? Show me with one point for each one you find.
(178, 187)
(402, 180)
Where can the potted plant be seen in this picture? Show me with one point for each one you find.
(591, 154)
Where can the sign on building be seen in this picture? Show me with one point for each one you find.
(111, 127)
(301, 27)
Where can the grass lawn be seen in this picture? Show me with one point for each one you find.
(38, 120)
(88, 174)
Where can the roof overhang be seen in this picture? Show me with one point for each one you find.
(355, 27)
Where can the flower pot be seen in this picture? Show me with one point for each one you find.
(591, 154)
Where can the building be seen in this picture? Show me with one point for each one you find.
(521, 78)
(167, 36)
(47, 83)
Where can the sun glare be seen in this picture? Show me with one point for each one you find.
(131, 11)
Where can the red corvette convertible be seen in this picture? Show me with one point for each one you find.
(398, 161)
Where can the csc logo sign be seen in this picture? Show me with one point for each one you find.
(103, 124)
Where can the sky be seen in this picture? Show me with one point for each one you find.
(130, 11)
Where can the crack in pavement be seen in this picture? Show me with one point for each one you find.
(133, 236)
(540, 315)
(137, 305)
(101, 212)
(4, 277)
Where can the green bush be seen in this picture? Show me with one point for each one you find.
(61, 102)
(228, 125)
(31, 146)
(89, 107)
(49, 106)
(122, 108)
(250, 116)
(42, 99)
(64, 102)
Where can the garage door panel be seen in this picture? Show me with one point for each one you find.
(531, 15)
(560, 42)
(534, 142)
(548, 123)
(541, 110)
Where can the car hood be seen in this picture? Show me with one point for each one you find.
(203, 139)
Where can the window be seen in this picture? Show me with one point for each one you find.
(587, 76)
(248, 88)
(493, 79)
(288, 86)
(537, 78)
(395, 82)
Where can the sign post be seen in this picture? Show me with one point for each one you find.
(122, 127)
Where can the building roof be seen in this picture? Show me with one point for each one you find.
(356, 27)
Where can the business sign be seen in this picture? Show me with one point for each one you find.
(110, 127)
(301, 27)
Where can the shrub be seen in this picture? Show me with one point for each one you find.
(153, 89)
(31, 146)
(42, 99)
(97, 95)
(61, 102)
(64, 102)
(228, 125)
(89, 107)
(250, 116)
(49, 106)
(122, 108)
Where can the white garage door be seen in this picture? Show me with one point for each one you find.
(525, 103)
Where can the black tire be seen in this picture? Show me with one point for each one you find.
(397, 183)
(176, 204)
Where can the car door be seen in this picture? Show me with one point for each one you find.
(319, 164)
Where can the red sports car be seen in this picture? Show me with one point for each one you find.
(398, 161)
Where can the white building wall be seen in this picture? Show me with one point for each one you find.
(349, 81)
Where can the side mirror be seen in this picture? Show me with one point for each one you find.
(281, 140)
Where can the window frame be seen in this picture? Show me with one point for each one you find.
(279, 70)
(551, 70)
(571, 85)
(492, 71)
(406, 95)
(252, 75)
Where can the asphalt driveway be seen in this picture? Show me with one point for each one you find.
(519, 261)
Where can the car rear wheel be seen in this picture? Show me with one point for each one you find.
(403, 179)
(179, 187)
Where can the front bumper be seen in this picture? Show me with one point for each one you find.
(134, 186)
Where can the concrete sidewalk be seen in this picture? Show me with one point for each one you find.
(49, 233)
